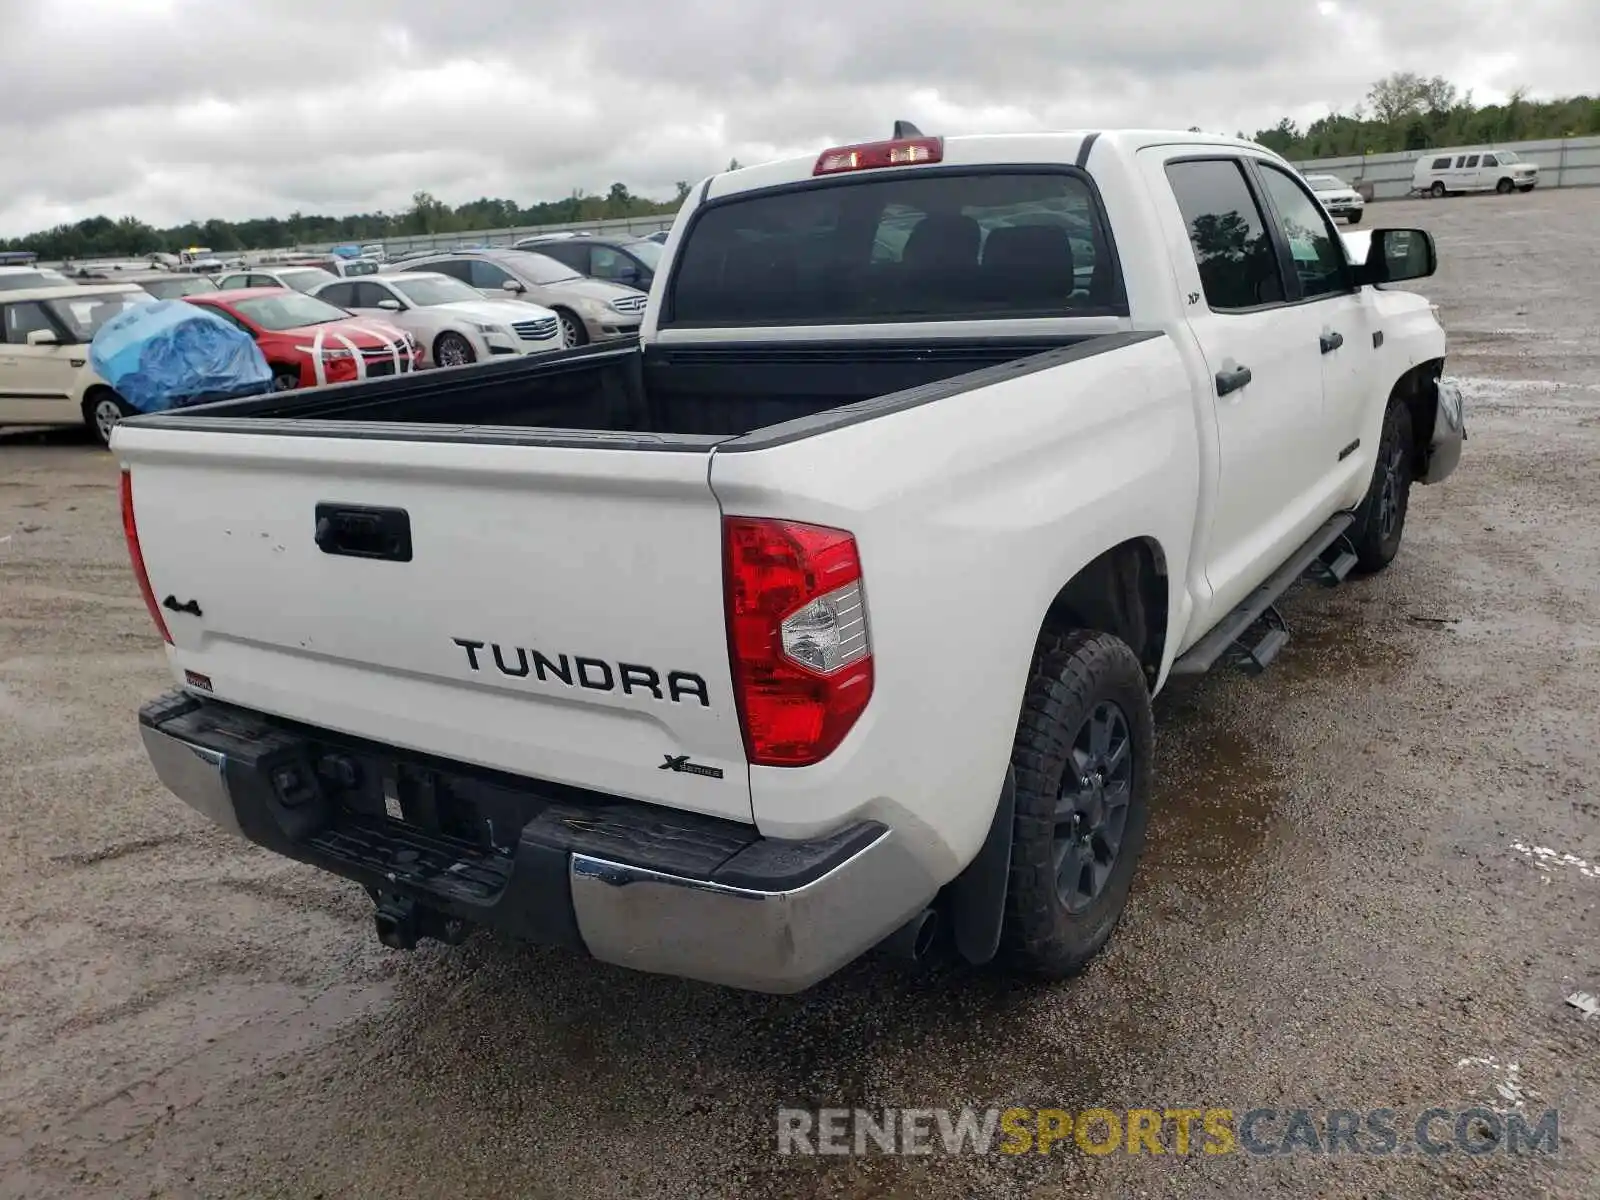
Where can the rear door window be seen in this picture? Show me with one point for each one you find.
(1441, 164)
(342, 294)
(1233, 249)
(919, 246)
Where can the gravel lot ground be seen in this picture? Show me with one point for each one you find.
(1333, 911)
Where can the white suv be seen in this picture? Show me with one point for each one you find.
(45, 376)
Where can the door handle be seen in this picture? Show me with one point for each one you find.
(1331, 341)
(1232, 380)
(357, 531)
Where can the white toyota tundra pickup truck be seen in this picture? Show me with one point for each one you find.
(825, 615)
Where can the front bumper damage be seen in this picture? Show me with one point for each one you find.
(443, 847)
(1448, 434)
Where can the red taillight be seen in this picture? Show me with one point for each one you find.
(798, 636)
(900, 152)
(130, 530)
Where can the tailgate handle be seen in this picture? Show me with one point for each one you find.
(359, 531)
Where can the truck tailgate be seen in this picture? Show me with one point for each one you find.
(560, 614)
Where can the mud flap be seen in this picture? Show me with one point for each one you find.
(977, 896)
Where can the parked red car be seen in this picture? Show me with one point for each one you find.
(308, 341)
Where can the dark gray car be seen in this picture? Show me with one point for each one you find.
(630, 261)
(590, 310)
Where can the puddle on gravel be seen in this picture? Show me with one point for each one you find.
(1217, 801)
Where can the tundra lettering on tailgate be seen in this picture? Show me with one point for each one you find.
(578, 670)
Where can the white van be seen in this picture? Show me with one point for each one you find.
(1440, 174)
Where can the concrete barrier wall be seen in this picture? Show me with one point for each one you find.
(1562, 162)
(1565, 162)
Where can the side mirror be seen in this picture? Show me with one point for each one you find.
(42, 337)
(513, 285)
(1395, 255)
(390, 305)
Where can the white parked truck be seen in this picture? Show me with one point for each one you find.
(825, 615)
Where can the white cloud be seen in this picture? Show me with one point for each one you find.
(172, 109)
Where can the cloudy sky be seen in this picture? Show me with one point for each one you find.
(176, 109)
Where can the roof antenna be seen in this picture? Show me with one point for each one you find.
(905, 129)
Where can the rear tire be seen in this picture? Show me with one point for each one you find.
(453, 350)
(1082, 758)
(1381, 519)
(102, 409)
(1437, 190)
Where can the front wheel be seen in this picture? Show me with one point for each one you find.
(1381, 519)
(572, 331)
(1082, 759)
(1354, 218)
(1437, 190)
(285, 379)
(1504, 187)
(102, 409)
(453, 350)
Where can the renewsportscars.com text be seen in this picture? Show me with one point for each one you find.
(1179, 1131)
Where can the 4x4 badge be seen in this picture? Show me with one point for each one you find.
(681, 764)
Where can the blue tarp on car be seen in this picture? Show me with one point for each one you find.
(172, 354)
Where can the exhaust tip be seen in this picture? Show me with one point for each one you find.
(914, 940)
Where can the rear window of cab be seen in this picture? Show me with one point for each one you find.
(923, 246)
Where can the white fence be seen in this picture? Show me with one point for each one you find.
(1562, 162)
(502, 237)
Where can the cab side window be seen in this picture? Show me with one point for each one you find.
(1232, 246)
(1490, 160)
(23, 319)
(1316, 256)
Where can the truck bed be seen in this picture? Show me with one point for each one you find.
(684, 394)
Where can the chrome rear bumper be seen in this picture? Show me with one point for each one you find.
(774, 917)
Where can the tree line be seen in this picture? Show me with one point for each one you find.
(1402, 111)
(129, 237)
(1405, 111)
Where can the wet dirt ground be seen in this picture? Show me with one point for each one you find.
(1333, 912)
